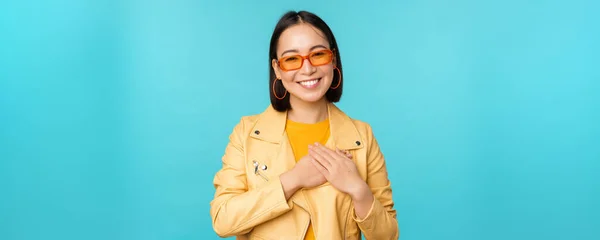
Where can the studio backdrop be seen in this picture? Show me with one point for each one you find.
(114, 115)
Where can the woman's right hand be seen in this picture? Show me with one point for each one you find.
(303, 175)
(306, 174)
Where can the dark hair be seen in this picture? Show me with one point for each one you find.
(289, 19)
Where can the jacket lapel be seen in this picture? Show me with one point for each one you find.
(344, 134)
(270, 127)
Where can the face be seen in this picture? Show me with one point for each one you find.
(309, 83)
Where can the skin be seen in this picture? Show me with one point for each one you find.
(310, 106)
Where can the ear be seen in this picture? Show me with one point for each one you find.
(276, 69)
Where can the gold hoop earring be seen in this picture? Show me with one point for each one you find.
(339, 78)
(274, 93)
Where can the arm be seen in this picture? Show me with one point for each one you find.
(234, 209)
(290, 183)
(374, 212)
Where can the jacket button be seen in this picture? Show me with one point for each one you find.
(358, 143)
(256, 132)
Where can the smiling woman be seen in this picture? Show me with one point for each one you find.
(296, 38)
(303, 169)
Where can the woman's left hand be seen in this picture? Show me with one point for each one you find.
(339, 170)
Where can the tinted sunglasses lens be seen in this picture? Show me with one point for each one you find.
(291, 62)
(320, 58)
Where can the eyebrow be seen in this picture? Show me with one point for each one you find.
(295, 51)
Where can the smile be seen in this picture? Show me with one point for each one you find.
(310, 83)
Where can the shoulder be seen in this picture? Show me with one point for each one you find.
(364, 128)
(365, 131)
(350, 125)
(245, 124)
(361, 125)
(249, 120)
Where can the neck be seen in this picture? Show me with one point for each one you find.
(308, 112)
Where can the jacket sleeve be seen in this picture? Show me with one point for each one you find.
(380, 222)
(235, 210)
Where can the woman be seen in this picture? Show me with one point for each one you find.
(303, 169)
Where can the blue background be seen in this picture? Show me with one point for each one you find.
(114, 114)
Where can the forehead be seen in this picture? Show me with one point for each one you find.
(301, 37)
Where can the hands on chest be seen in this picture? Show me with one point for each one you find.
(324, 165)
(337, 168)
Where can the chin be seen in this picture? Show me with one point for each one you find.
(311, 97)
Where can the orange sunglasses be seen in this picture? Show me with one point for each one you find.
(316, 58)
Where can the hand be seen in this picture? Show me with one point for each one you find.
(303, 175)
(339, 170)
(307, 174)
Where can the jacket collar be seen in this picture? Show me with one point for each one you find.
(270, 127)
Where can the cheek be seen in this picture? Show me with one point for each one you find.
(287, 78)
(328, 78)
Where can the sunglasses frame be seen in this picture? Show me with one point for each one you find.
(279, 62)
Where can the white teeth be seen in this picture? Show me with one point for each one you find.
(309, 83)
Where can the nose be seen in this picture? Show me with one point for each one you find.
(308, 68)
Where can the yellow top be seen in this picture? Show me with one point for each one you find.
(300, 136)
